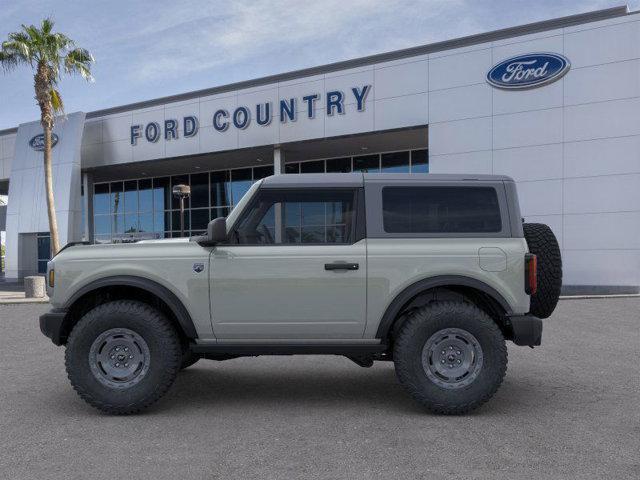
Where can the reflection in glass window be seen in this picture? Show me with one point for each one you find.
(366, 163)
(145, 195)
(317, 166)
(240, 183)
(396, 162)
(219, 212)
(175, 221)
(317, 216)
(102, 225)
(117, 197)
(161, 194)
(292, 168)
(341, 165)
(145, 222)
(420, 161)
(101, 199)
(200, 190)
(161, 221)
(199, 219)
(118, 224)
(220, 188)
(262, 172)
(131, 196)
(131, 223)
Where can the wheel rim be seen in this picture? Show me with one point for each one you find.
(452, 358)
(119, 358)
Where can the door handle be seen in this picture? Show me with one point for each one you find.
(341, 266)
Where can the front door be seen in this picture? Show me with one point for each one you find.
(294, 268)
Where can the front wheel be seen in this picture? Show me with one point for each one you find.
(450, 356)
(122, 356)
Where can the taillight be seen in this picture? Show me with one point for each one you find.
(530, 274)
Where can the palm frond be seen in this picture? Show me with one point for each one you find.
(8, 60)
(47, 25)
(56, 101)
(79, 60)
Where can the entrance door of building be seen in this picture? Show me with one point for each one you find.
(44, 251)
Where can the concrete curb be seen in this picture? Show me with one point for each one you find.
(21, 300)
(585, 297)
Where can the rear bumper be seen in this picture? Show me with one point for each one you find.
(527, 330)
(51, 325)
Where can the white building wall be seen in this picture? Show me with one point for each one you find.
(573, 146)
(7, 149)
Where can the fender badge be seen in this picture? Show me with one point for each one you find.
(198, 267)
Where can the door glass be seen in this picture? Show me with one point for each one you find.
(296, 216)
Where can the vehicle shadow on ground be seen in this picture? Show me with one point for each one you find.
(375, 388)
(211, 385)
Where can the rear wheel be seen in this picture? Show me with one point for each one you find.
(122, 356)
(450, 356)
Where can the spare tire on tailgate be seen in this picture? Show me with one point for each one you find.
(542, 242)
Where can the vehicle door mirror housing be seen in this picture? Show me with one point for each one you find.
(217, 230)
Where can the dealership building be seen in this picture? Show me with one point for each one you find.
(553, 104)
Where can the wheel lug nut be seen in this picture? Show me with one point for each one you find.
(126, 349)
(459, 353)
(443, 352)
(459, 361)
(442, 361)
(117, 348)
(117, 364)
(113, 356)
(126, 364)
(130, 356)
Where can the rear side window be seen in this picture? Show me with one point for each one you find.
(440, 210)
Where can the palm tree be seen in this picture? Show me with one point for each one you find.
(47, 53)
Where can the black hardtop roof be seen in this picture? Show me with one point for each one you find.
(337, 180)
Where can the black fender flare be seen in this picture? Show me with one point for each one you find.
(154, 288)
(394, 308)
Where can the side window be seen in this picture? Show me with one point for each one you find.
(441, 210)
(286, 217)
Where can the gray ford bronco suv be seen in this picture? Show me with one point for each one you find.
(431, 272)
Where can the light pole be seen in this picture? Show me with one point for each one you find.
(181, 192)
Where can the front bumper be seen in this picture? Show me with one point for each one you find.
(51, 325)
(527, 330)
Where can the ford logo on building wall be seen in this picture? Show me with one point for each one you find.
(37, 142)
(528, 71)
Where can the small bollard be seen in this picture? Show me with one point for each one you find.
(34, 287)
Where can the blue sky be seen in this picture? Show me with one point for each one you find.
(149, 49)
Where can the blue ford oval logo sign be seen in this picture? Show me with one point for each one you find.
(528, 71)
(37, 142)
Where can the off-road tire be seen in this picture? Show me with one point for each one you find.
(542, 242)
(188, 358)
(165, 356)
(415, 333)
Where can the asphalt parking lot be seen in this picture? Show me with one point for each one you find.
(570, 409)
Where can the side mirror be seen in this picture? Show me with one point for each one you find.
(217, 230)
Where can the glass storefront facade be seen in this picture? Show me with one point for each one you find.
(130, 210)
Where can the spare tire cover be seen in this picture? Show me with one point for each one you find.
(542, 242)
